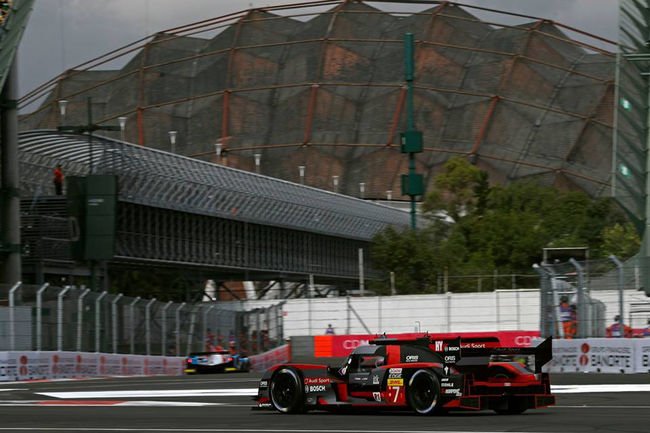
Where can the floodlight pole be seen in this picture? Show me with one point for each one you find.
(411, 140)
(89, 128)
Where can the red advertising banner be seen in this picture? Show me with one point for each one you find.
(328, 346)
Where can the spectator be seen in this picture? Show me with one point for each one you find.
(58, 180)
(329, 330)
(646, 330)
(617, 329)
(210, 341)
(567, 317)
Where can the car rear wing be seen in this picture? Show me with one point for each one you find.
(477, 357)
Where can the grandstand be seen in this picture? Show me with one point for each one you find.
(320, 86)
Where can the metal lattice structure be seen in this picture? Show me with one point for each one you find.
(180, 211)
(320, 85)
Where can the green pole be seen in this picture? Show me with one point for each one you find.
(410, 118)
(90, 135)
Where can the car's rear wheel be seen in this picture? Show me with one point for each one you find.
(423, 393)
(287, 394)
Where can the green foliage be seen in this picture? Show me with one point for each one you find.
(620, 240)
(455, 190)
(498, 228)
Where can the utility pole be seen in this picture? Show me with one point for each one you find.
(411, 140)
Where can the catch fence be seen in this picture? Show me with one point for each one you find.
(73, 318)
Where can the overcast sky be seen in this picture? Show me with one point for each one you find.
(64, 33)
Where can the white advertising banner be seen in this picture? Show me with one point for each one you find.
(598, 355)
(18, 366)
(566, 354)
(642, 355)
(607, 355)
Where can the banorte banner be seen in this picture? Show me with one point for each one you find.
(597, 355)
(642, 355)
(328, 346)
(279, 355)
(19, 366)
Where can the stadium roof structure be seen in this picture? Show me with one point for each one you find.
(321, 85)
(161, 179)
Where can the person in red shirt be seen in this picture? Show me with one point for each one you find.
(617, 329)
(58, 180)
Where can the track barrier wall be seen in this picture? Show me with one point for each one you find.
(26, 365)
(601, 355)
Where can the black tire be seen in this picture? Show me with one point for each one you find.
(286, 391)
(423, 393)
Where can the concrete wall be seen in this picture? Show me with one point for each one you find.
(501, 310)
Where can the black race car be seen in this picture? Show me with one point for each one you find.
(426, 375)
(218, 361)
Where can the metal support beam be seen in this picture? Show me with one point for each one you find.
(10, 269)
(59, 318)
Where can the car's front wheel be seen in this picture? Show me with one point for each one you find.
(423, 393)
(287, 394)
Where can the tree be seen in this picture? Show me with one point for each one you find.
(456, 190)
(497, 228)
(620, 240)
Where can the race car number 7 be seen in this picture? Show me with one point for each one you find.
(396, 389)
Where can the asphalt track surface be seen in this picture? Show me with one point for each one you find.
(221, 403)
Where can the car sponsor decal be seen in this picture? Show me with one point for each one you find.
(376, 396)
(395, 382)
(317, 380)
(375, 380)
(315, 388)
(395, 370)
(412, 358)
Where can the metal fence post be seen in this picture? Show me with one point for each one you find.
(205, 323)
(163, 326)
(147, 325)
(581, 312)
(190, 332)
(621, 283)
(80, 306)
(98, 321)
(132, 324)
(12, 315)
(59, 318)
(178, 329)
(114, 320)
(39, 316)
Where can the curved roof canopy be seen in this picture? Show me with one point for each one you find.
(161, 179)
(321, 85)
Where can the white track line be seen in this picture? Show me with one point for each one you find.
(588, 389)
(95, 403)
(240, 392)
(250, 392)
(235, 430)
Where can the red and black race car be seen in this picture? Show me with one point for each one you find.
(426, 375)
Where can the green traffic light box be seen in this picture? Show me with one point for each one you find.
(92, 204)
(411, 141)
(412, 184)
